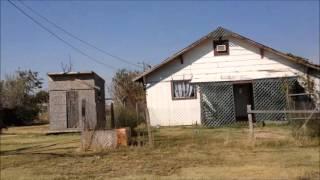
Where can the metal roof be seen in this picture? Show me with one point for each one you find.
(69, 73)
(221, 32)
(55, 74)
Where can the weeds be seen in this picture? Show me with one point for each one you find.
(179, 153)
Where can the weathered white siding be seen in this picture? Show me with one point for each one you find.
(244, 62)
(167, 112)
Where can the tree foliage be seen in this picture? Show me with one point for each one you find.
(20, 96)
(125, 91)
(17, 89)
(41, 97)
(127, 94)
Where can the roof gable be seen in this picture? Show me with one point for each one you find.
(221, 32)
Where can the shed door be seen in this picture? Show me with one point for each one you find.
(72, 109)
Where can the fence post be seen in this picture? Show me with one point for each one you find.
(84, 126)
(112, 123)
(137, 111)
(149, 127)
(251, 133)
(83, 114)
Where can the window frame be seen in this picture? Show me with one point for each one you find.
(183, 98)
(221, 42)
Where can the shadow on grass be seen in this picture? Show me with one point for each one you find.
(20, 150)
(37, 149)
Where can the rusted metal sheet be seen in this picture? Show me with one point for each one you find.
(123, 135)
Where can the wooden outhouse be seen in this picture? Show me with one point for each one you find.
(76, 100)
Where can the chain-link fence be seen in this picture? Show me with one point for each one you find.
(218, 102)
(121, 116)
(305, 122)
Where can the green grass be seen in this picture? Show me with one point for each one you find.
(179, 153)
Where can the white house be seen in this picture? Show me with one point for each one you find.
(211, 81)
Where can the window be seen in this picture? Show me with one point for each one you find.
(221, 47)
(183, 90)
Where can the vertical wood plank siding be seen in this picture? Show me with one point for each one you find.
(66, 93)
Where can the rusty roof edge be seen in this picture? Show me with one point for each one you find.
(302, 61)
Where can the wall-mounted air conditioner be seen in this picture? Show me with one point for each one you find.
(221, 48)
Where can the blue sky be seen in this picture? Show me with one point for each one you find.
(148, 31)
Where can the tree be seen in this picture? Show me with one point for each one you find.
(125, 91)
(67, 67)
(13, 89)
(18, 89)
(31, 80)
(126, 95)
(42, 97)
(18, 97)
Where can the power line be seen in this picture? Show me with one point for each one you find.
(77, 38)
(59, 38)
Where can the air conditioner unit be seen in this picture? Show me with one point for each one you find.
(221, 48)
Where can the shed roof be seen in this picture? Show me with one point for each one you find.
(221, 32)
(60, 74)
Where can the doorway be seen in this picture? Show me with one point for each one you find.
(243, 95)
(72, 109)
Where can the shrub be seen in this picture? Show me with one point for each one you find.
(127, 118)
(22, 115)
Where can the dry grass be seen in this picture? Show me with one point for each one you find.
(179, 153)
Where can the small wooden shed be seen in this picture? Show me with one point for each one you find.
(76, 100)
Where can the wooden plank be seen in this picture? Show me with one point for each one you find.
(112, 124)
(299, 94)
(149, 127)
(83, 114)
(72, 109)
(282, 111)
(57, 110)
(251, 133)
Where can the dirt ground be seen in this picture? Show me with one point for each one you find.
(179, 153)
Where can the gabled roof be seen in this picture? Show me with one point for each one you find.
(221, 32)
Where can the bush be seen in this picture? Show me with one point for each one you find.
(22, 115)
(127, 118)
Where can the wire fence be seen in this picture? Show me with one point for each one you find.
(274, 99)
(301, 112)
